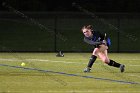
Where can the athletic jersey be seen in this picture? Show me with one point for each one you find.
(96, 39)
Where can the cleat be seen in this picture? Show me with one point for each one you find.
(87, 69)
(122, 68)
(60, 54)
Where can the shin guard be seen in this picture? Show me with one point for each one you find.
(91, 61)
(114, 64)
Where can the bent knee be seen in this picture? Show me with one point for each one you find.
(95, 51)
(105, 60)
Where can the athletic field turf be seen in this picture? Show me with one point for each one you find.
(46, 73)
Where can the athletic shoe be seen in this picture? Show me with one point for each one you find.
(87, 69)
(60, 54)
(122, 68)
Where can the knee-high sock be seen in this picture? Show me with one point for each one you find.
(114, 64)
(91, 61)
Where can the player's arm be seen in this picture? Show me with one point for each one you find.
(102, 35)
(92, 42)
(103, 38)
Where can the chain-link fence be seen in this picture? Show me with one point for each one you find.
(55, 31)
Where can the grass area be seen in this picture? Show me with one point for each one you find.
(20, 80)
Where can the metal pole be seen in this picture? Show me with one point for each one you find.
(55, 35)
(118, 34)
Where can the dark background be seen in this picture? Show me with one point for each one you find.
(66, 5)
(51, 26)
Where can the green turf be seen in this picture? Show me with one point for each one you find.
(18, 80)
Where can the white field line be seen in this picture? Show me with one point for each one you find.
(89, 91)
(134, 76)
(41, 60)
(44, 60)
(134, 65)
(12, 59)
(72, 91)
(66, 62)
(65, 59)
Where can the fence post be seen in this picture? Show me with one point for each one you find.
(55, 34)
(118, 35)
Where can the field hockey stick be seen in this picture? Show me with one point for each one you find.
(105, 39)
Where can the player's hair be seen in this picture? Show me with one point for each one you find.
(87, 27)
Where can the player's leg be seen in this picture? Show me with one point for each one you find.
(116, 64)
(104, 57)
(102, 48)
(92, 60)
